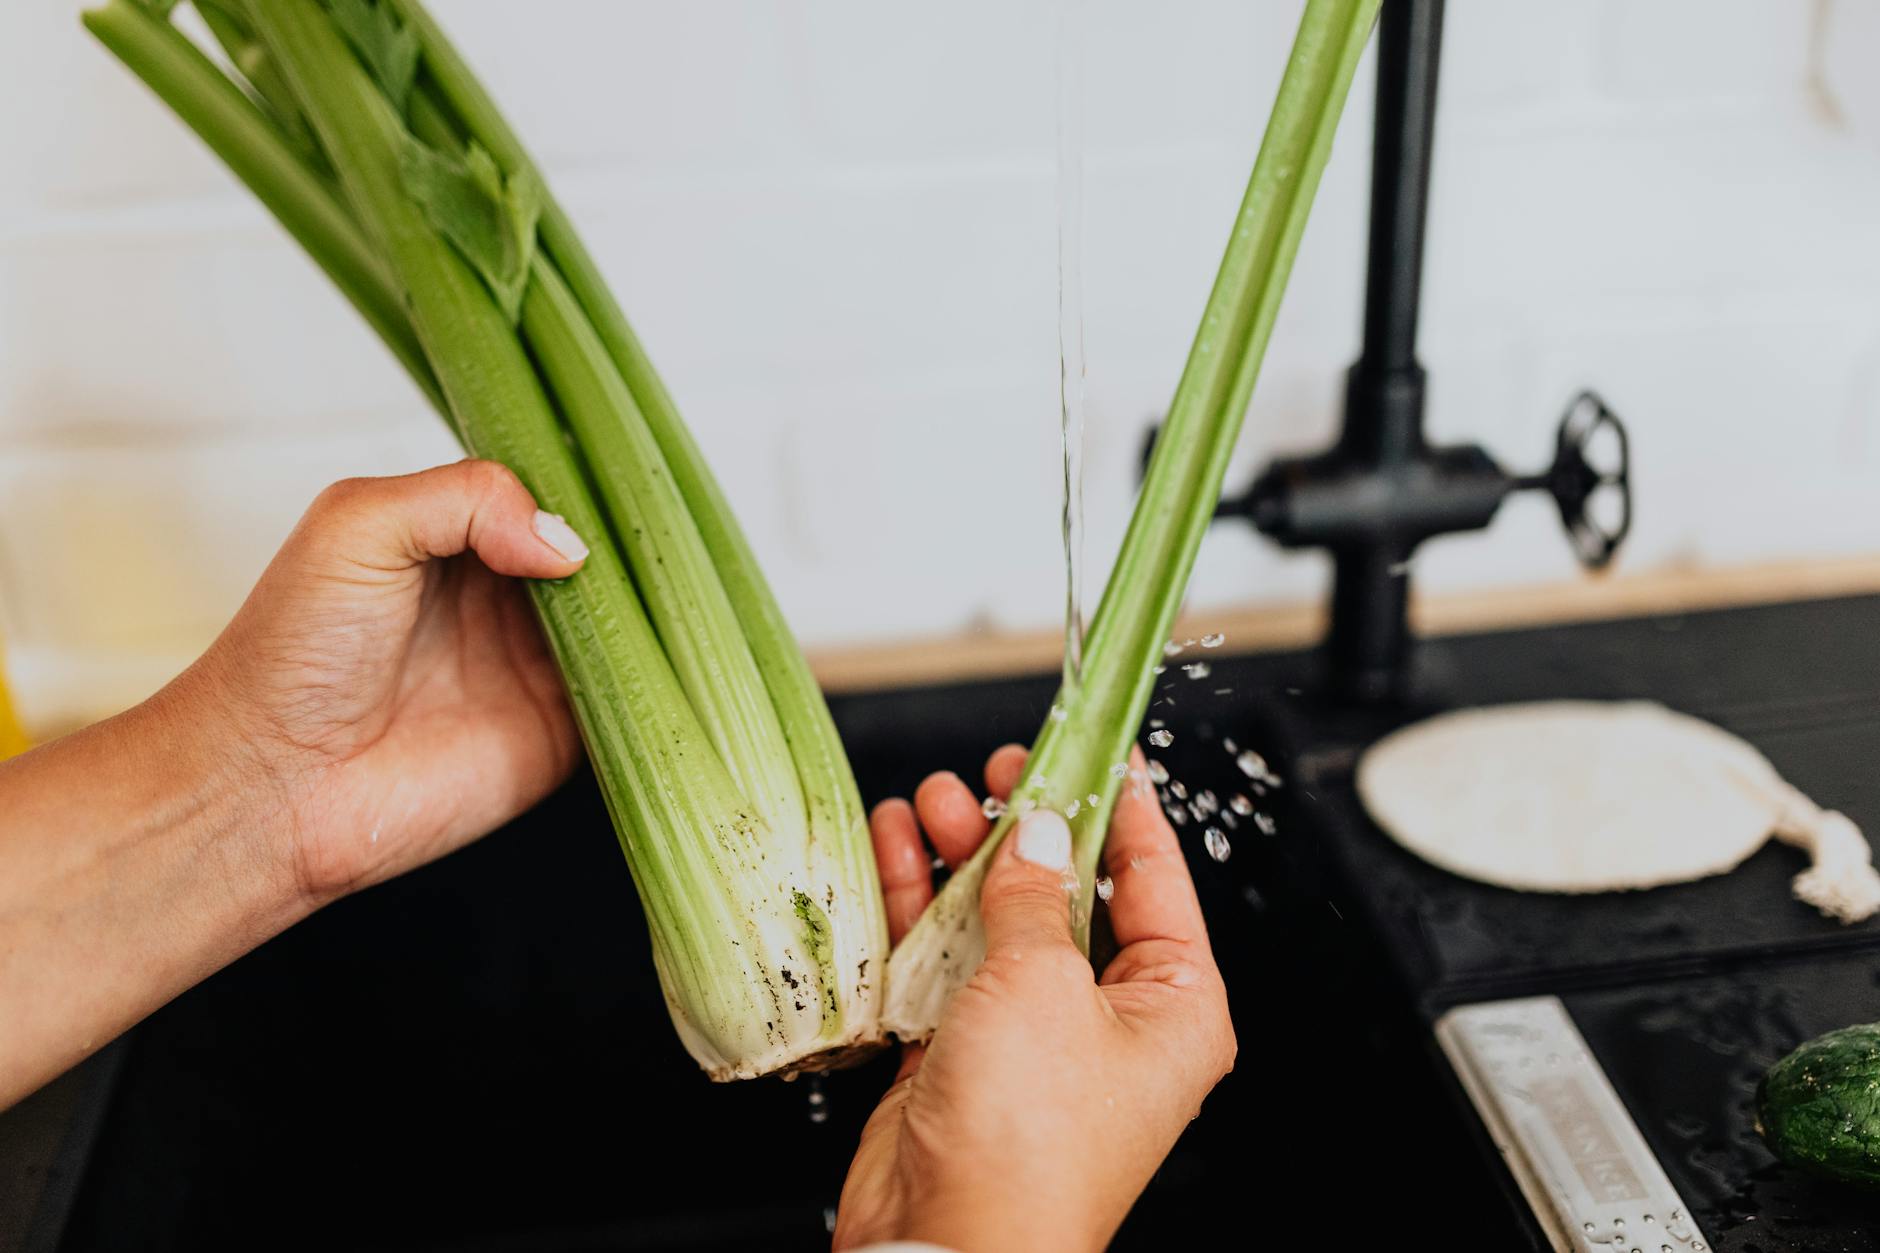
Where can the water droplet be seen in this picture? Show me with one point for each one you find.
(1188, 643)
(1059, 713)
(1179, 789)
(818, 1101)
(1159, 670)
(1158, 773)
(829, 1219)
(1106, 888)
(1229, 821)
(1171, 648)
(1120, 770)
(993, 808)
(1266, 824)
(1176, 814)
(1161, 738)
(1251, 764)
(1213, 639)
(1157, 722)
(1197, 670)
(1216, 841)
(1071, 810)
(1230, 746)
(1240, 804)
(1093, 800)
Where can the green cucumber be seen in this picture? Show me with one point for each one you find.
(1818, 1109)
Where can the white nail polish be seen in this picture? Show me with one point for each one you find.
(552, 529)
(1044, 839)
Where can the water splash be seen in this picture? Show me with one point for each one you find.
(1070, 241)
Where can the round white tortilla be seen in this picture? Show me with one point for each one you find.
(1572, 796)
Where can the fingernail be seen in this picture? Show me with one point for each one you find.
(1044, 839)
(553, 529)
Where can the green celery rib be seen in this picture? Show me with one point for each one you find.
(264, 158)
(269, 89)
(837, 821)
(697, 626)
(696, 847)
(1074, 754)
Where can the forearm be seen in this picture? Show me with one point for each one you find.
(136, 857)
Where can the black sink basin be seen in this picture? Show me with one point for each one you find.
(477, 1057)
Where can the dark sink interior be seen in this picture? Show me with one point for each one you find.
(477, 1057)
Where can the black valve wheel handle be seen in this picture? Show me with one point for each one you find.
(1574, 480)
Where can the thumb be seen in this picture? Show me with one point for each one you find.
(1025, 900)
(392, 524)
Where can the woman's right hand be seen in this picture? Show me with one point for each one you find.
(1048, 1096)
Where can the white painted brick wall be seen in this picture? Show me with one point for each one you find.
(833, 221)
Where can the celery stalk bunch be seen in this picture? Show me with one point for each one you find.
(367, 135)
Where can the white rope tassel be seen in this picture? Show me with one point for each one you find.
(1841, 882)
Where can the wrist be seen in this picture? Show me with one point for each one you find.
(995, 1217)
(224, 794)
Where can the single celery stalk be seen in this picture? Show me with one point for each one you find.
(1095, 722)
(765, 913)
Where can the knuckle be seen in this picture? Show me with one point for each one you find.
(340, 497)
(490, 478)
(1029, 893)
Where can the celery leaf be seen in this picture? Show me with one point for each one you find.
(488, 218)
(387, 46)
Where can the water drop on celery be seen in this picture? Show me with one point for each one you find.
(1071, 810)
(1093, 800)
(1161, 738)
(1120, 770)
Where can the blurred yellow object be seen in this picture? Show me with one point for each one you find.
(12, 738)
